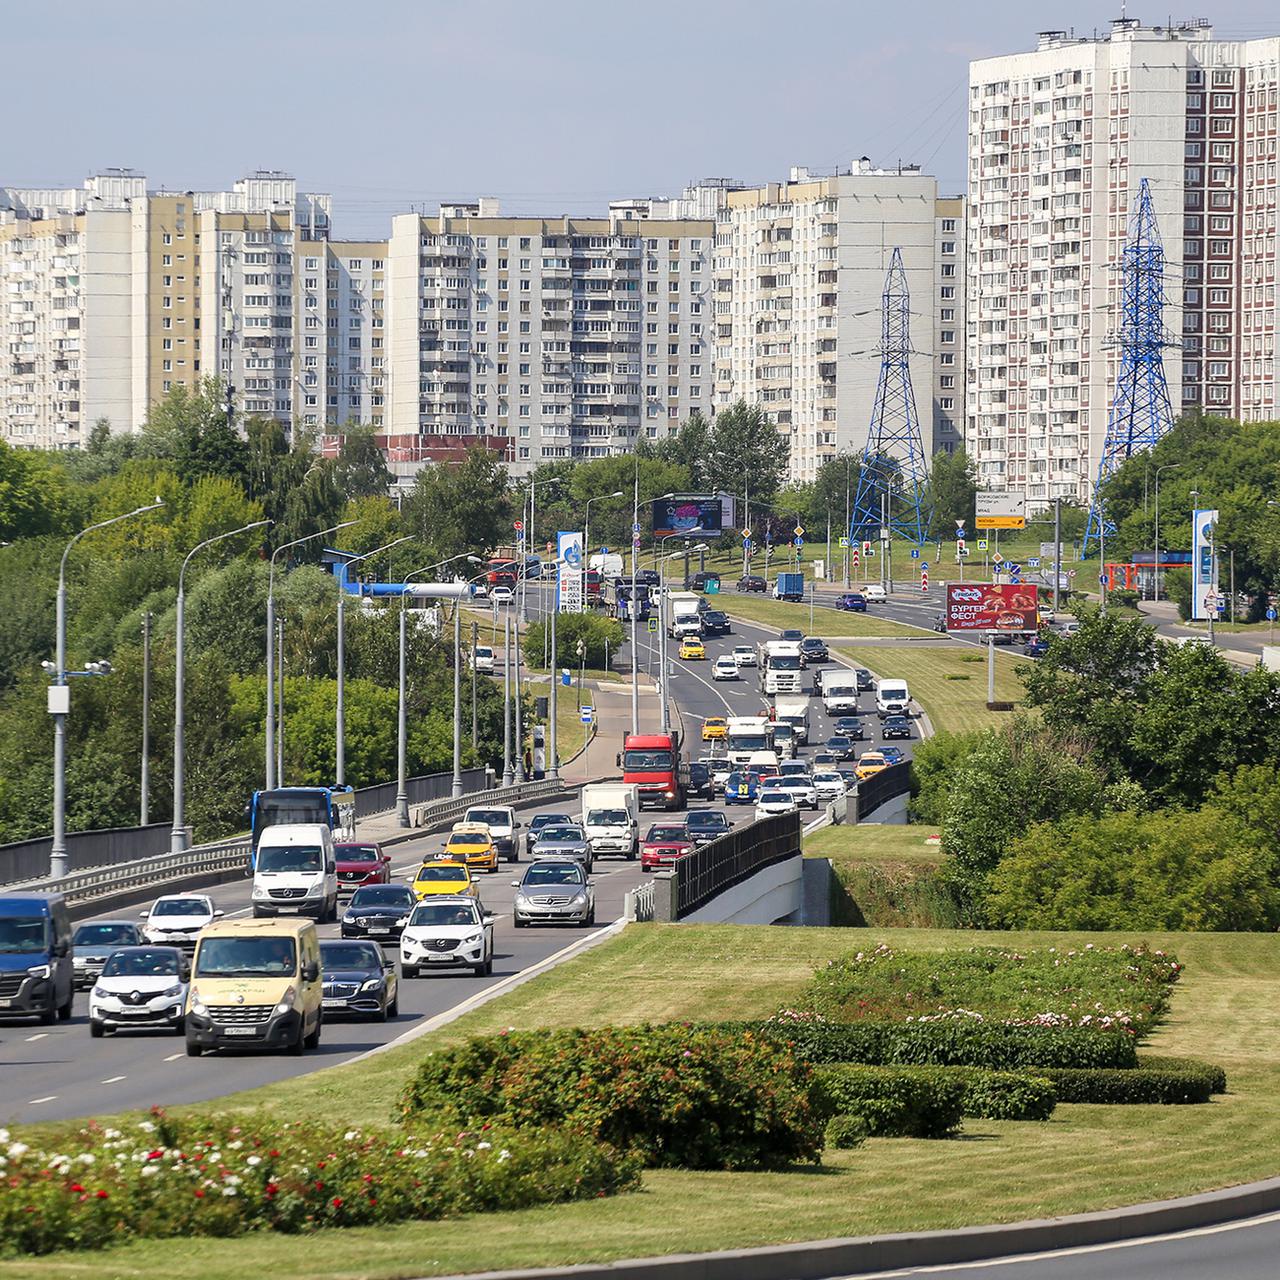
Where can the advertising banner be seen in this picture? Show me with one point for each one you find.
(985, 606)
(693, 515)
(570, 594)
(1204, 569)
(1000, 509)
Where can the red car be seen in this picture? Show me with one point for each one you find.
(360, 863)
(667, 842)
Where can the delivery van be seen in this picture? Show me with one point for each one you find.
(296, 873)
(255, 984)
(37, 974)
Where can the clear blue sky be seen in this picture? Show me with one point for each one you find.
(554, 107)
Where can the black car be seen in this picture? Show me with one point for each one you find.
(841, 746)
(715, 622)
(866, 682)
(752, 582)
(705, 825)
(896, 727)
(849, 727)
(537, 823)
(358, 979)
(699, 581)
(791, 635)
(378, 911)
(814, 650)
(700, 784)
(648, 577)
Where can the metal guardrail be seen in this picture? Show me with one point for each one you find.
(718, 866)
(26, 859)
(443, 810)
(381, 798)
(882, 787)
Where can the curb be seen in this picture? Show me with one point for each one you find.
(824, 1259)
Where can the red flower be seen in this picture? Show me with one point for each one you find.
(102, 1195)
(75, 1186)
(274, 1154)
(337, 1202)
(272, 1188)
(199, 1193)
(155, 1155)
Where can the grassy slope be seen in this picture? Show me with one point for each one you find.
(826, 622)
(871, 843)
(1087, 1157)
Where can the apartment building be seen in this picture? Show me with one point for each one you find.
(799, 273)
(1059, 140)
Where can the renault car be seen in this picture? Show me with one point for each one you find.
(140, 987)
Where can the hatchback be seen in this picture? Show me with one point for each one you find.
(752, 582)
(725, 668)
(852, 602)
(665, 843)
(741, 787)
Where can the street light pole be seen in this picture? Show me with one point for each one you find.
(144, 803)
(507, 776)
(586, 532)
(1166, 467)
(553, 762)
(178, 833)
(456, 790)
(633, 610)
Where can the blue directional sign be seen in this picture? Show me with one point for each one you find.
(1104, 579)
(1271, 615)
(635, 528)
(915, 553)
(1033, 562)
(588, 714)
(799, 542)
(924, 566)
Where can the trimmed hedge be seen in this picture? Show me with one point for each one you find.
(894, 1102)
(1215, 1074)
(1150, 1084)
(1006, 1095)
(846, 1132)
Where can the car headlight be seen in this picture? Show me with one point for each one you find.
(371, 985)
(578, 898)
(473, 939)
(99, 992)
(173, 992)
(522, 897)
(259, 892)
(286, 1001)
(39, 971)
(313, 889)
(197, 1005)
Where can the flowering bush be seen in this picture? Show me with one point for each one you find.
(222, 1175)
(678, 1095)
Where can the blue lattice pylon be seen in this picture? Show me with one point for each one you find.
(894, 477)
(1140, 410)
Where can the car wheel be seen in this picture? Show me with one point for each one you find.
(49, 1016)
(409, 970)
(393, 1009)
(259, 915)
(631, 856)
(193, 1050)
(313, 1040)
(591, 918)
(297, 1044)
(96, 1029)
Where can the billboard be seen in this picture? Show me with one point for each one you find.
(570, 574)
(695, 515)
(999, 509)
(1204, 567)
(985, 606)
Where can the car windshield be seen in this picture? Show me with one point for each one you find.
(180, 907)
(748, 741)
(564, 833)
(490, 817)
(785, 662)
(23, 935)
(349, 955)
(356, 853)
(444, 913)
(382, 895)
(790, 784)
(646, 760)
(707, 822)
(441, 871)
(245, 957)
(607, 817)
(289, 857)
(774, 797)
(548, 820)
(827, 778)
(744, 651)
(665, 833)
(104, 935)
(467, 838)
(837, 741)
(553, 873)
(142, 963)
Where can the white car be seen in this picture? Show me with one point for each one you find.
(720, 771)
(447, 932)
(140, 987)
(874, 592)
(829, 786)
(725, 668)
(744, 655)
(793, 769)
(801, 786)
(483, 659)
(177, 918)
(774, 800)
(502, 595)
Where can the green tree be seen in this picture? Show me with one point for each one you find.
(953, 484)
(192, 424)
(597, 634)
(33, 497)
(461, 507)
(745, 451)
(690, 448)
(361, 470)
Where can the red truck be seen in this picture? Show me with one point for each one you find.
(652, 762)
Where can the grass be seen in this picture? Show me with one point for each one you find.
(868, 842)
(946, 682)
(826, 622)
(571, 733)
(1226, 1009)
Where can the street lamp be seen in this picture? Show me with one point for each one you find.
(586, 530)
(271, 632)
(1167, 466)
(340, 723)
(178, 835)
(60, 703)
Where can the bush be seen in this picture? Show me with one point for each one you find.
(1214, 1074)
(595, 632)
(1006, 1095)
(893, 895)
(677, 1095)
(893, 1102)
(1170, 1082)
(846, 1132)
(224, 1175)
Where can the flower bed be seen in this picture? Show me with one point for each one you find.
(222, 1176)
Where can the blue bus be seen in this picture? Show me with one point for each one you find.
(335, 807)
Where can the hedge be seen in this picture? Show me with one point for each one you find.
(894, 1102)
(1006, 1095)
(1215, 1074)
(1167, 1085)
(679, 1096)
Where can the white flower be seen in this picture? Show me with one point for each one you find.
(149, 1170)
(147, 1127)
(86, 1157)
(351, 1135)
(504, 1155)
(253, 1160)
(483, 1146)
(228, 1191)
(4, 1135)
(18, 1149)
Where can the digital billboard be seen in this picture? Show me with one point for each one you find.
(692, 515)
(987, 606)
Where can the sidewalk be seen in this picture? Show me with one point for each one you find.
(1244, 649)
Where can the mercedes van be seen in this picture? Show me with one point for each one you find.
(37, 974)
(255, 984)
(296, 872)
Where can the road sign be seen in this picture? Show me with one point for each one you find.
(854, 557)
(924, 566)
(997, 558)
(924, 580)
(517, 525)
(1033, 562)
(652, 624)
(587, 714)
(799, 531)
(746, 534)
(799, 542)
(1106, 578)
(960, 526)
(635, 540)
(871, 551)
(915, 553)
(551, 546)
(961, 551)
(866, 546)
(842, 542)
(983, 543)
(1071, 573)
(1271, 615)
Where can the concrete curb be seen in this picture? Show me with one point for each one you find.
(824, 1259)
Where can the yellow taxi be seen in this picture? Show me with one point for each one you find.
(439, 876)
(714, 728)
(472, 843)
(692, 647)
(870, 762)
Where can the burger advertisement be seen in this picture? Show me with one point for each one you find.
(985, 606)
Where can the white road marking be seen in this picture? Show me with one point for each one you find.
(35, 1102)
(39, 1035)
(173, 1057)
(113, 1079)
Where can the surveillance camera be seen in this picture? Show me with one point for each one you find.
(49, 667)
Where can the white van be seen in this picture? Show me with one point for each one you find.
(295, 872)
(840, 693)
(893, 698)
(483, 659)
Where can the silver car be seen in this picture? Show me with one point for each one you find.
(554, 892)
(565, 841)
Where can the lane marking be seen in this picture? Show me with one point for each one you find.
(113, 1079)
(35, 1102)
(173, 1057)
(40, 1035)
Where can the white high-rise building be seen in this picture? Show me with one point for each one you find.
(1059, 139)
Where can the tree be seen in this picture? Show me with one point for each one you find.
(690, 448)
(457, 507)
(745, 451)
(599, 636)
(33, 497)
(953, 484)
(361, 470)
(192, 424)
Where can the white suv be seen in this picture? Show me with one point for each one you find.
(482, 659)
(177, 918)
(447, 932)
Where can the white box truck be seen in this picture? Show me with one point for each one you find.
(746, 735)
(611, 819)
(793, 709)
(683, 618)
(779, 667)
(840, 693)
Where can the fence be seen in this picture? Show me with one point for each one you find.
(729, 860)
(882, 787)
(430, 786)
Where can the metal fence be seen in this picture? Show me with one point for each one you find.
(30, 858)
(381, 797)
(882, 787)
(720, 865)
(638, 904)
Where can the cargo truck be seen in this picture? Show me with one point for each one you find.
(611, 819)
(651, 762)
(778, 667)
(745, 736)
(793, 709)
(789, 586)
(683, 614)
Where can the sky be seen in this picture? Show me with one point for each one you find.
(553, 106)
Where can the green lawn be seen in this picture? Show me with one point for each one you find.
(571, 733)
(955, 704)
(1226, 1009)
(826, 622)
(868, 842)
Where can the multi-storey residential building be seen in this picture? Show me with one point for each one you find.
(1059, 140)
(799, 273)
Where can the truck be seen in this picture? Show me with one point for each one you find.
(333, 807)
(840, 693)
(611, 819)
(778, 666)
(617, 598)
(746, 735)
(793, 709)
(789, 586)
(684, 615)
(651, 763)
(607, 563)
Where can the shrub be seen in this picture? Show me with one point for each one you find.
(679, 1096)
(893, 895)
(1006, 1095)
(1214, 1074)
(893, 1102)
(1163, 1084)
(223, 1176)
(600, 637)
(846, 1132)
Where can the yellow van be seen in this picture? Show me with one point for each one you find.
(255, 984)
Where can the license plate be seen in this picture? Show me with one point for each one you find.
(441, 958)
(333, 1004)
(379, 928)
(239, 1031)
(288, 911)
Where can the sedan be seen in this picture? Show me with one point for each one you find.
(896, 727)
(378, 911)
(538, 823)
(436, 878)
(706, 825)
(691, 648)
(875, 593)
(852, 602)
(665, 843)
(840, 745)
(140, 987)
(752, 582)
(849, 727)
(177, 918)
(894, 755)
(774, 801)
(741, 787)
(447, 933)
(814, 650)
(361, 864)
(356, 978)
(472, 843)
(823, 759)
(744, 655)
(1036, 647)
(92, 944)
(800, 787)
(871, 762)
(829, 786)
(725, 668)
(567, 841)
(553, 892)
(502, 596)
(792, 635)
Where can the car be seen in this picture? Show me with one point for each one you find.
(357, 979)
(866, 681)
(538, 823)
(894, 755)
(741, 787)
(1048, 614)
(773, 801)
(800, 786)
(1036, 647)
(440, 878)
(378, 911)
(362, 863)
(691, 647)
(483, 659)
(714, 728)
(553, 891)
(814, 650)
(744, 655)
(94, 941)
(705, 825)
(875, 593)
(447, 933)
(725, 668)
(503, 827)
(648, 577)
(840, 745)
(568, 840)
(715, 622)
(140, 987)
(792, 636)
(896, 727)
(823, 759)
(472, 843)
(871, 762)
(502, 596)
(793, 769)
(849, 727)
(1068, 628)
(700, 781)
(752, 582)
(999, 637)
(829, 785)
(664, 843)
(721, 769)
(851, 602)
(176, 918)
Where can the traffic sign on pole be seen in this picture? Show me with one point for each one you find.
(924, 579)
(1271, 615)
(746, 534)
(997, 558)
(799, 542)
(1033, 562)
(842, 542)
(518, 525)
(652, 624)
(924, 566)
(588, 714)
(983, 544)
(799, 531)
(915, 553)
